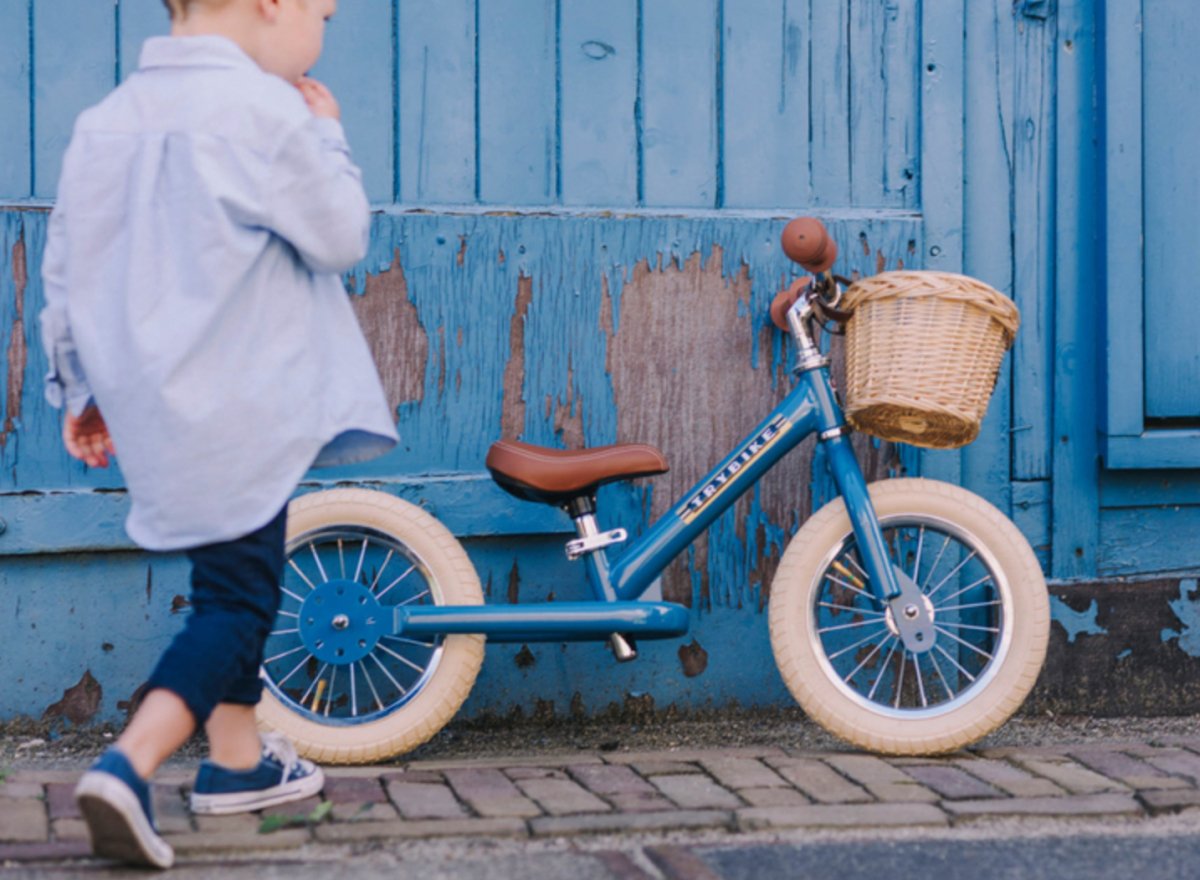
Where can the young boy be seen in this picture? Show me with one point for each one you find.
(195, 322)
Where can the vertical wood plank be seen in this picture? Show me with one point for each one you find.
(1033, 244)
(901, 112)
(868, 108)
(679, 77)
(74, 67)
(357, 66)
(436, 91)
(1124, 168)
(766, 103)
(1171, 121)
(518, 126)
(942, 71)
(987, 232)
(139, 20)
(1079, 274)
(15, 163)
(830, 108)
(599, 58)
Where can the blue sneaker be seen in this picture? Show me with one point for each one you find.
(280, 776)
(115, 803)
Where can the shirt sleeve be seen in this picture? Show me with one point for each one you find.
(66, 383)
(315, 198)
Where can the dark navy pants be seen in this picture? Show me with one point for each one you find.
(235, 596)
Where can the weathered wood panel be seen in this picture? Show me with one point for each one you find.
(74, 66)
(16, 162)
(1171, 128)
(358, 65)
(599, 96)
(437, 101)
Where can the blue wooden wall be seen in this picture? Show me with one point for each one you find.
(578, 209)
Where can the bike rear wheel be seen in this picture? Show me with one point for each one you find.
(338, 683)
(840, 653)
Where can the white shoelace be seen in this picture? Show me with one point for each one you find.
(280, 747)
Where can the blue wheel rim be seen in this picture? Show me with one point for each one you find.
(331, 657)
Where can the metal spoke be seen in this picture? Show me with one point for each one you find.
(341, 559)
(388, 588)
(303, 576)
(850, 587)
(853, 608)
(293, 595)
(316, 678)
(954, 662)
(920, 681)
(936, 561)
(284, 632)
(404, 660)
(862, 571)
(399, 687)
(865, 661)
(362, 556)
(413, 642)
(984, 579)
(371, 685)
(858, 644)
(313, 547)
(289, 614)
(953, 572)
(295, 669)
(942, 677)
(972, 605)
(329, 700)
(900, 679)
(379, 573)
(882, 671)
(854, 625)
(979, 651)
(412, 599)
(281, 656)
(987, 629)
(917, 561)
(353, 693)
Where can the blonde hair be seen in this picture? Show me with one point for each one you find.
(179, 8)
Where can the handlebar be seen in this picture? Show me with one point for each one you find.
(806, 241)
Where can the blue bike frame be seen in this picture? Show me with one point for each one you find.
(810, 407)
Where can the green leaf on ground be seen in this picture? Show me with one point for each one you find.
(278, 821)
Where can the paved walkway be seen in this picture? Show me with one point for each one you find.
(557, 795)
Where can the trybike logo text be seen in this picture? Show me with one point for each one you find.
(724, 478)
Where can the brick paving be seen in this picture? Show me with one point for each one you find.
(732, 791)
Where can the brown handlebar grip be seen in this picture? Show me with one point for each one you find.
(806, 242)
(784, 301)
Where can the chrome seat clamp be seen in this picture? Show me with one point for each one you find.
(582, 546)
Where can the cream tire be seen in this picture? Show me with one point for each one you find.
(401, 538)
(840, 700)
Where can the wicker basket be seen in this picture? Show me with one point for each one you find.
(922, 353)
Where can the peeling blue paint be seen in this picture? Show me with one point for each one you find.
(1128, 652)
(1187, 609)
(1076, 622)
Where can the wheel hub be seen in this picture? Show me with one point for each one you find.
(341, 622)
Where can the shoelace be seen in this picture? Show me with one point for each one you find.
(279, 747)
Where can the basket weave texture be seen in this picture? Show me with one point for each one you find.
(922, 353)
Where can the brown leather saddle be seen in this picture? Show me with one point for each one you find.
(555, 476)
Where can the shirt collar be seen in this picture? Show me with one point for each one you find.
(203, 51)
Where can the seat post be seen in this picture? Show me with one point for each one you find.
(582, 510)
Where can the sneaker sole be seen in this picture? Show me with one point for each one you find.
(249, 801)
(118, 827)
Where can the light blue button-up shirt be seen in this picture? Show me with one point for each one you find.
(193, 292)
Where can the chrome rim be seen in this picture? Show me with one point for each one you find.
(331, 656)
(857, 643)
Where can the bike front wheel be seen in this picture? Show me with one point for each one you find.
(841, 655)
(337, 682)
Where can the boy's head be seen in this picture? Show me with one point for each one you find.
(283, 36)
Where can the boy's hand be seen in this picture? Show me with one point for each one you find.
(319, 99)
(87, 438)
